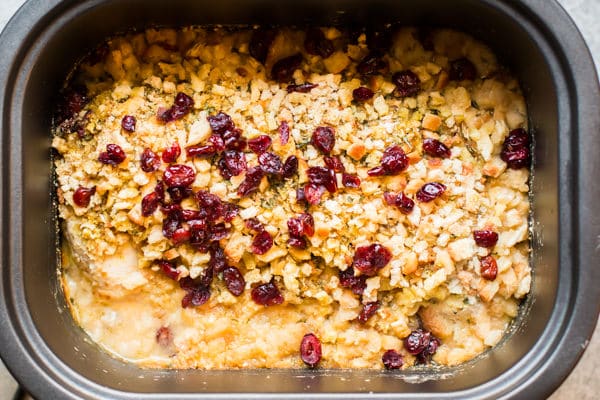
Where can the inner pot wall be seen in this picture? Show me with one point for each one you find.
(64, 357)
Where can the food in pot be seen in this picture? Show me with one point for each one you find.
(282, 198)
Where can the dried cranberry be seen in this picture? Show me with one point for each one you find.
(262, 242)
(183, 102)
(172, 222)
(114, 155)
(322, 176)
(259, 144)
(371, 64)
(417, 341)
(317, 44)
(368, 311)
(435, 148)
(168, 269)
(515, 149)
(489, 268)
(461, 70)
(73, 101)
(207, 277)
(313, 193)
(270, 163)
(217, 142)
(301, 88)
(170, 154)
(230, 211)
(300, 196)
(254, 225)
(348, 280)
(376, 171)
(234, 280)
(370, 259)
(251, 181)
(303, 224)
(128, 123)
(182, 106)
(76, 124)
(207, 150)
(485, 238)
(234, 140)
(517, 138)
(260, 42)
(167, 208)
(390, 198)
(164, 337)
(232, 163)
(150, 203)
(198, 231)
(323, 138)
(350, 181)
(211, 204)
(218, 261)
(392, 359)
(189, 215)
(267, 294)
(196, 297)
(220, 123)
(310, 350)
(284, 132)
(404, 203)
(181, 235)
(407, 83)
(430, 191)
(334, 163)
(393, 161)
(149, 161)
(218, 231)
(82, 196)
(298, 242)
(283, 69)
(159, 189)
(235, 161)
(295, 227)
(424, 357)
(362, 94)
(290, 167)
(179, 175)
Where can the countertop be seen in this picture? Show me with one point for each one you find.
(584, 381)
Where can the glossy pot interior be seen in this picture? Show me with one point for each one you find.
(53, 358)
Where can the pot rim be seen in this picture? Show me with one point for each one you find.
(578, 298)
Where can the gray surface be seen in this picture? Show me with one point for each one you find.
(584, 382)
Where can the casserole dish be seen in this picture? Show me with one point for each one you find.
(53, 358)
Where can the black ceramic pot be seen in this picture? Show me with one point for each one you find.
(53, 358)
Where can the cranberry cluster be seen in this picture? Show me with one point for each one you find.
(181, 107)
(299, 228)
(368, 260)
(421, 343)
(349, 280)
